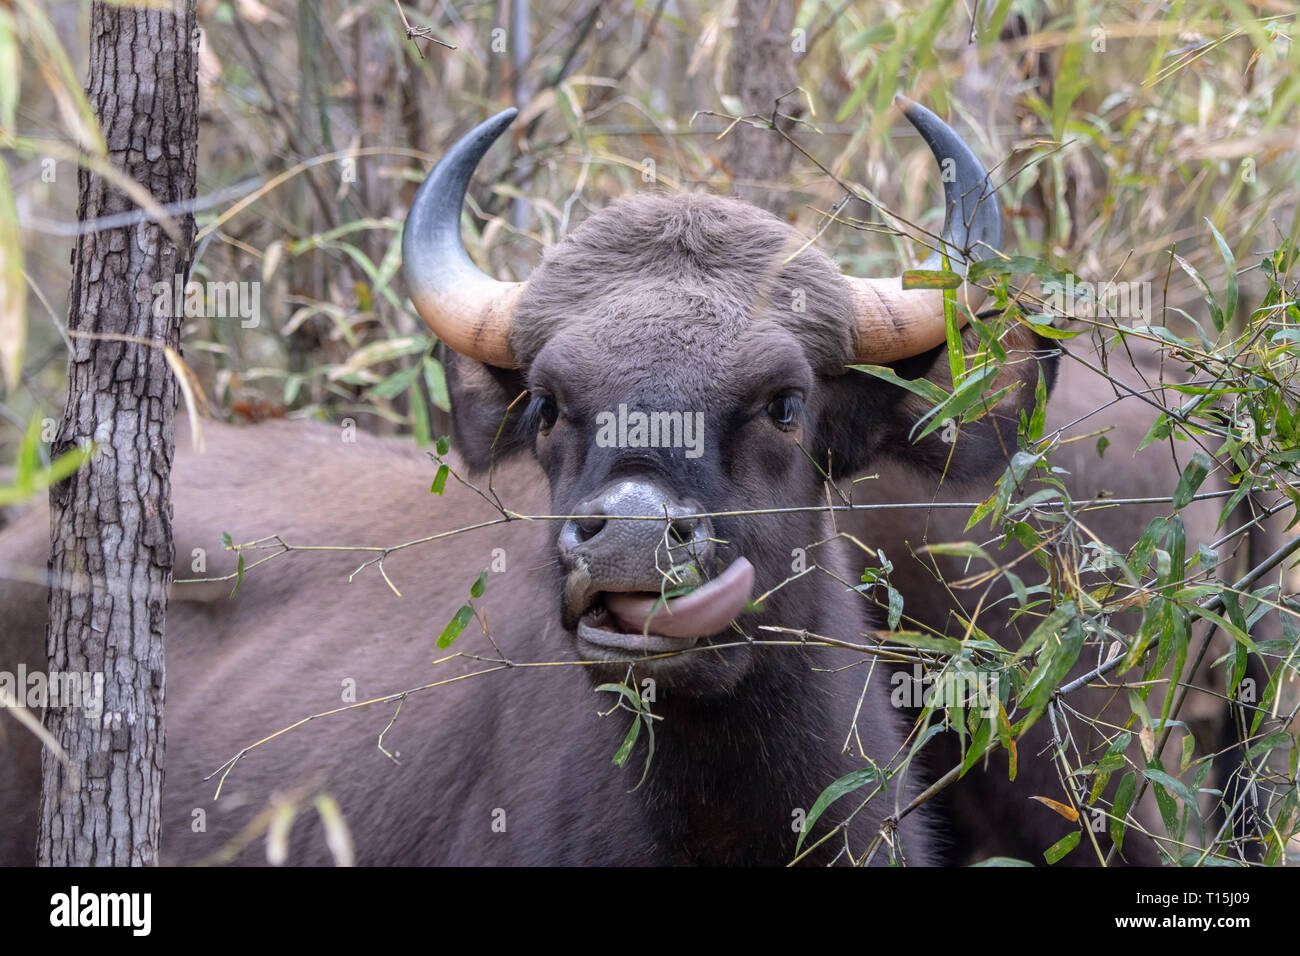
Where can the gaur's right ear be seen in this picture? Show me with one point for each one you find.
(860, 406)
(487, 410)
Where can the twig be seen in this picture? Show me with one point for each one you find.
(419, 33)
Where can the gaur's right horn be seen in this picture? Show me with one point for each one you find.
(469, 310)
(893, 323)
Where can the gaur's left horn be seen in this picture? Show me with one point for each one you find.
(893, 323)
(469, 310)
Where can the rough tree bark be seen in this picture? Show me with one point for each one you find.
(762, 69)
(110, 524)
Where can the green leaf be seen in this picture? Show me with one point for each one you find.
(29, 458)
(629, 741)
(29, 477)
(455, 626)
(435, 377)
(917, 386)
(385, 350)
(365, 301)
(959, 549)
(1014, 265)
(930, 279)
(623, 690)
(895, 609)
(967, 394)
(1172, 784)
(419, 418)
(1168, 807)
(239, 573)
(1155, 531)
(1053, 624)
(476, 589)
(855, 780)
(1042, 325)
(292, 386)
(1216, 313)
(439, 481)
(1161, 429)
(65, 465)
(1038, 419)
(1071, 79)
(1053, 664)
(1062, 847)
(1026, 535)
(952, 323)
(1230, 264)
(637, 705)
(978, 745)
(1237, 633)
(1191, 479)
(650, 751)
(927, 642)
(396, 383)
(1189, 750)
(1002, 861)
(1269, 743)
(442, 445)
(1209, 558)
(1123, 801)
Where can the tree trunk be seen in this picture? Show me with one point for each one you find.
(110, 524)
(762, 69)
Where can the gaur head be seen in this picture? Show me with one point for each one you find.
(678, 358)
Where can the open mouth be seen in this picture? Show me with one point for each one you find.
(645, 621)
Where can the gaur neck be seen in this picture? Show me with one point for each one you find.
(731, 776)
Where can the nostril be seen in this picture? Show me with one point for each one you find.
(682, 530)
(589, 527)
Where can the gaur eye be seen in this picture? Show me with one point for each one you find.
(547, 411)
(784, 410)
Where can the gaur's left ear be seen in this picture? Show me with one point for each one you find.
(866, 419)
(486, 411)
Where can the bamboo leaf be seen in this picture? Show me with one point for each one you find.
(1063, 809)
(1062, 847)
(455, 626)
(846, 784)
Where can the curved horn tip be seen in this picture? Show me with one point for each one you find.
(504, 118)
(923, 118)
(916, 113)
(480, 139)
(977, 227)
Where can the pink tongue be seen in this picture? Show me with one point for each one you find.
(706, 610)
